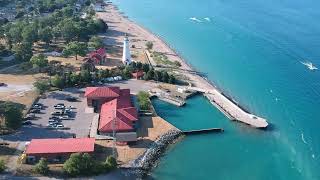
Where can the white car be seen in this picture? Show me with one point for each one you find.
(64, 117)
(60, 126)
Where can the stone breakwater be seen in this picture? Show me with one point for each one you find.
(149, 159)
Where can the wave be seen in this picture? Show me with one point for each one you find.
(195, 19)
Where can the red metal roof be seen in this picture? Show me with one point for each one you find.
(119, 110)
(138, 74)
(52, 146)
(105, 92)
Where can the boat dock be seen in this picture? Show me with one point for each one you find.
(231, 109)
(203, 131)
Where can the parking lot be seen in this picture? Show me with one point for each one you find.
(78, 124)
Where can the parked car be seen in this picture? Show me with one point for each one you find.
(64, 117)
(57, 113)
(53, 121)
(60, 126)
(37, 106)
(67, 111)
(59, 104)
(26, 123)
(35, 111)
(30, 116)
(72, 99)
(60, 107)
(51, 126)
(54, 118)
(3, 84)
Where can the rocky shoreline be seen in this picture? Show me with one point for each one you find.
(141, 166)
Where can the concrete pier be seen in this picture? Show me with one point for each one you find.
(230, 109)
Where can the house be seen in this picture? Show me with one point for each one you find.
(57, 149)
(117, 113)
(138, 74)
(99, 56)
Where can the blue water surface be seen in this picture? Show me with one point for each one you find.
(252, 50)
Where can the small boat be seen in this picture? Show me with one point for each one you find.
(310, 66)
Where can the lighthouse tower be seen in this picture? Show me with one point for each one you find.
(126, 57)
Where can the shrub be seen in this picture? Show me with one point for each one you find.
(144, 101)
(42, 86)
(80, 164)
(42, 167)
(149, 45)
(111, 162)
(2, 165)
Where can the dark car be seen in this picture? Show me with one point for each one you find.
(3, 84)
(72, 99)
(35, 111)
(27, 123)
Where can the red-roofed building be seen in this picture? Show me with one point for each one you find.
(116, 109)
(58, 149)
(98, 56)
(138, 74)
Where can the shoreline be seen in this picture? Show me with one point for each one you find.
(139, 35)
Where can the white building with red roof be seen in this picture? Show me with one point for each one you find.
(58, 149)
(117, 112)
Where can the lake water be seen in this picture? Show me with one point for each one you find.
(252, 50)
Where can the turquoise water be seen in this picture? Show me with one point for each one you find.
(252, 50)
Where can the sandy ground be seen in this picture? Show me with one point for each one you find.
(151, 128)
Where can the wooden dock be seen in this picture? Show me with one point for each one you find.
(204, 131)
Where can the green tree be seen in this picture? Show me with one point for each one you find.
(74, 79)
(30, 33)
(79, 164)
(42, 167)
(172, 79)
(75, 48)
(111, 162)
(2, 166)
(96, 42)
(45, 35)
(42, 86)
(149, 45)
(12, 115)
(139, 65)
(39, 61)
(146, 68)
(149, 75)
(57, 81)
(85, 76)
(143, 100)
(165, 76)
(157, 76)
(23, 51)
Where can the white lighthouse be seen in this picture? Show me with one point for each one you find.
(126, 57)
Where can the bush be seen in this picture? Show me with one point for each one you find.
(144, 101)
(81, 164)
(149, 45)
(111, 162)
(42, 167)
(2, 166)
(42, 86)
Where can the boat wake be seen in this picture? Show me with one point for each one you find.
(207, 19)
(309, 65)
(303, 140)
(195, 19)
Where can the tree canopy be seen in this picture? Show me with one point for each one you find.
(75, 48)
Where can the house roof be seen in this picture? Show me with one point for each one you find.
(121, 112)
(52, 146)
(137, 74)
(105, 92)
